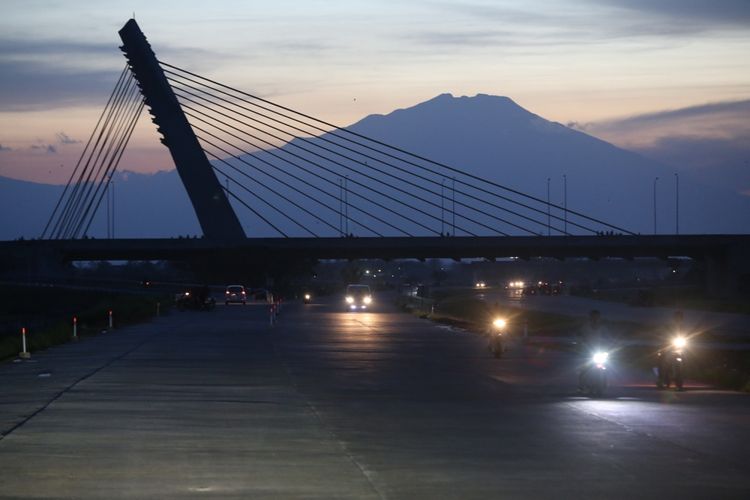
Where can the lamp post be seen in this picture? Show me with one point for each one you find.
(676, 203)
(454, 206)
(549, 230)
(442, 207)
(655, 179)
(565, 203)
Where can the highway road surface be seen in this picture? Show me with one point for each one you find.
(330, 404)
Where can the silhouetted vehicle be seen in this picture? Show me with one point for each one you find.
(594, 376)
(358, 297)
(235, 293)
(498, 337)
(195, 299)
(307, 298)
(670, 364)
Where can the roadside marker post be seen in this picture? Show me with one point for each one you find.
(110, 320)
(75, 328)
(271, 313)
(158, 309)
(24, 354)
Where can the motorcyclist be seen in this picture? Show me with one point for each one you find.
(676, 327)
(590, 339)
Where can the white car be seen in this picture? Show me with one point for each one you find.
(358, 297)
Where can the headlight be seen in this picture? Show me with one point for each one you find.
(601, 357)
(367, 299)
(679, 342)
(307, 296)
(349, 299)
(187, 294)
(499, 323)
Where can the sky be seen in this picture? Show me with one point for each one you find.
(669, 79)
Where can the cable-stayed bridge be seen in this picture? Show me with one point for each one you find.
(325, 191)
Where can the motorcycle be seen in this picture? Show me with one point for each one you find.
(669, 368)
(192, 299)
(498, 337)
(594, 376)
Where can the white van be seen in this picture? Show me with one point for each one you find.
(358, 297)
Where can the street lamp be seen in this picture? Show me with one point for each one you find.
(565, 203)
(442, 207)
(677, 203)
(549, 230)
(655, 179)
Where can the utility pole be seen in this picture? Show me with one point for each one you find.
(454, 206)
(677, 203)
(549, 223)
(346, 204)
(565, 203)
(655, 179)
(109, 204)
(341, 206)
(442, 207)
(112, 186)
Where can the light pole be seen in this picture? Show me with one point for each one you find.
(655, 179)
(442, 207)
(112, 183)
(676, 203)
(565, 203)
(549, 230)
(454, 206)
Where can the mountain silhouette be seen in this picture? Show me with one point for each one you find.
(490, 137)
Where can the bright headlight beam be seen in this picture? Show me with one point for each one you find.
(601, 357)
(679, 342)
(499, 323)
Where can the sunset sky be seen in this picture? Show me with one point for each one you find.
(639, 73)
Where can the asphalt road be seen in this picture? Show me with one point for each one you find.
(331, 404)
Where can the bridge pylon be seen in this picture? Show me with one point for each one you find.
(215, 215)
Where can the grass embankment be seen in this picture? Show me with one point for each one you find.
(47, 315)
(724, 368)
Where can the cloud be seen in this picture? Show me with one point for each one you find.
(63, 138)
(554, 23)
(711, 141)
(738, 109)
(28, 86)
(44, 74)
(699, 12)
(47, 148)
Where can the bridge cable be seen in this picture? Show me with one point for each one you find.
(370, 157)
(73, 200)
(85, 181)
(115, 134)
(412, 155)
(245, 174)
(282, 233)
(114, 162)
(83, 154)
(246, 153)
(291, 175)
(353, 180)
(318, 165)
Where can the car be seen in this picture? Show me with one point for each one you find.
(358, 297)
(235, 293)
(307, 297)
